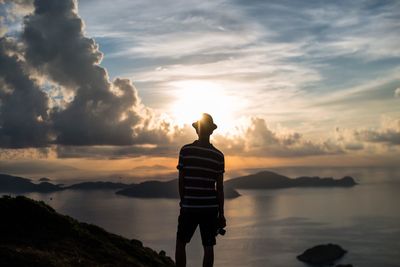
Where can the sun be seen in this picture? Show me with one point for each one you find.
(194, 97)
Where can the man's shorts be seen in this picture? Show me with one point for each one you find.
(188, 221)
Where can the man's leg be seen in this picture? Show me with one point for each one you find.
(180, 253)
(208, 226)
(208, 259)
(187, 224)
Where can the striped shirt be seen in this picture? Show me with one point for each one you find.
(201, 165)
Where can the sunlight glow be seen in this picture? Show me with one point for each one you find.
(195, 97)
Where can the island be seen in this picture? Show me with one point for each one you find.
(272, 180)
(18, 185)
(15, 184)
(167, 189)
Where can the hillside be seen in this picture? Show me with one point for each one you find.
(33, 234)
(272, 180)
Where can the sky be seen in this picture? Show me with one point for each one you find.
(112, 87)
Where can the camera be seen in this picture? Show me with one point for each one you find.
(220, 231)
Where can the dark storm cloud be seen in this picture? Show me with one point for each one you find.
(56, 45)
(101, 112)
(53, 48)
(24, 121)
(97, 117)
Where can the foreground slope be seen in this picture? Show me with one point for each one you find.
(33, 234)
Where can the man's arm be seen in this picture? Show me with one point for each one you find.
(181, 175)
(220, 196)
(181, 186)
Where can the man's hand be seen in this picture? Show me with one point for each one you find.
(221, 221)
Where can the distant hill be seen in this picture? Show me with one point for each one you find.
(33, 234)
(152, 189)
(44, 179)
(169, 189)
(271, 180)
(159, 189)
(97, 186)
(15, 184)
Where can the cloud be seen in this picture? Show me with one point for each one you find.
(25, 153)
(53, 90)
(388, 133)
(259, 140)
(17, 7)
(297, 53)
(397, 92)
(163, 140)
(275, 58)
(32, 167)
(255, 139)
(389, 137)
(11, 14)
(101, 112)
(56, 45)
(24, 119)
(3, 28)
(354, 146)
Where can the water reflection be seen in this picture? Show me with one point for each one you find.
(267, 227)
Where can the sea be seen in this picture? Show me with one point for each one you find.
(264, 227)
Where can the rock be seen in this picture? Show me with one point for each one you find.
(136, 242)
(322, 254)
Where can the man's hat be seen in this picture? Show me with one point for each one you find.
(205, 121)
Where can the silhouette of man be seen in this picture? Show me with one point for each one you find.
(201, 167)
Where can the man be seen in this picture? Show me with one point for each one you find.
(201, 167)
